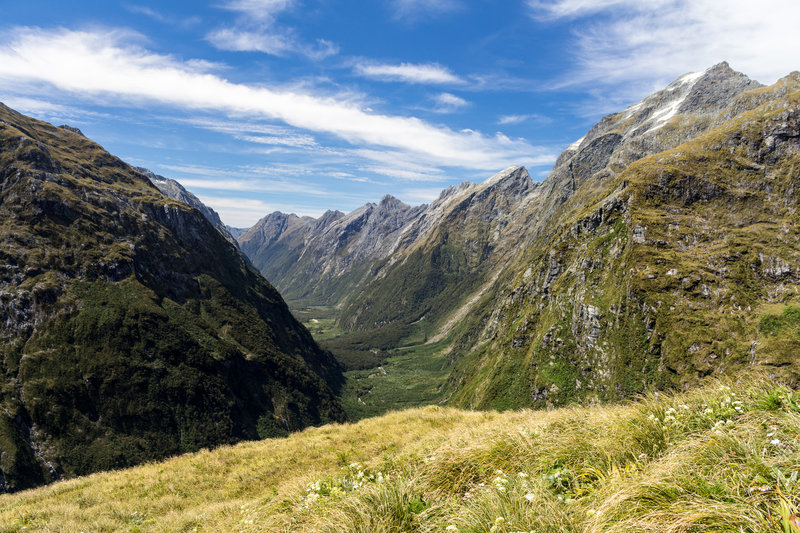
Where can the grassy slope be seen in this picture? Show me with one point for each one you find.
(722, 458)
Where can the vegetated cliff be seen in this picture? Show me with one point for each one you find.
(672, 256)
(130, 329)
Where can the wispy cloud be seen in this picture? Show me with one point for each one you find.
(261, 10)
(519, 119)
(649, 43)
(449, 103)
(92, 64)
(269, 41)
(160, 17)
(416, 196)
(256, 30)
(297, 141)
(415, 10)
(431, 73)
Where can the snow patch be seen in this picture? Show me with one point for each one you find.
(576, 144)
(685, 84)
(632, 109)
(500, 176)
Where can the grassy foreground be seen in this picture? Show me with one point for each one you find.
(722, 458)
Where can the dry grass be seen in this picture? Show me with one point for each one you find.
(723, 458)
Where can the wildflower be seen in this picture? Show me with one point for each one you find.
(522, 475)
(775, 442)
(530, 497)
(451, 527)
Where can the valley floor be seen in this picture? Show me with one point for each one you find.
(721, 458)
(400, 378)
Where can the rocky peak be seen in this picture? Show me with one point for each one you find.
(714, 88)
(72, 129)
(514, 180)
(390, 203)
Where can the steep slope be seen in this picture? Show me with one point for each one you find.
(176, 191)
(131, 329)
(442, 256)
(670, 257)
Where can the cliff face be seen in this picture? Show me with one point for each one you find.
(176, 191)
(130, 328)
(669, 257)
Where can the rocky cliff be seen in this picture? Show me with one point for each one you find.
(130, 329)
(176, 191)
(667, 253)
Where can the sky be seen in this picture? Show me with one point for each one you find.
(302, 106)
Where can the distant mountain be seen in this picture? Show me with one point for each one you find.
(176, 191)
(130, 329)
(391, 268)
(661, 249)
(235, 232)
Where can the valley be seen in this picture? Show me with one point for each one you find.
(647, 258)
(612, 348)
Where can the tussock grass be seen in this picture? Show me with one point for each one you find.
(722, 458)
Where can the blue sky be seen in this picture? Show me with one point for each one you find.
(308, 105)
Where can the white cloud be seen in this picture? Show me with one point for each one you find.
(256, 30)
(268, 41)
(651, 43)
(519, 119)
(449, 103)
(416, 196)
(414, 10)
(99, 64)
(431, 73)
(259, 9)
(238, 40)
(296, 141)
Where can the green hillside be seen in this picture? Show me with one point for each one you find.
(679, 266)
(132, 329)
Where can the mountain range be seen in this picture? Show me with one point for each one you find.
(653, 254)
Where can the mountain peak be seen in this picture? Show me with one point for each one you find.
(514, 170)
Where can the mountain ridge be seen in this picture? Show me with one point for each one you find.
(132, 329)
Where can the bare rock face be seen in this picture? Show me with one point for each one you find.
(176, 191)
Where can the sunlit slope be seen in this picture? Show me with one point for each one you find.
(663, 271)
(721, 458)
